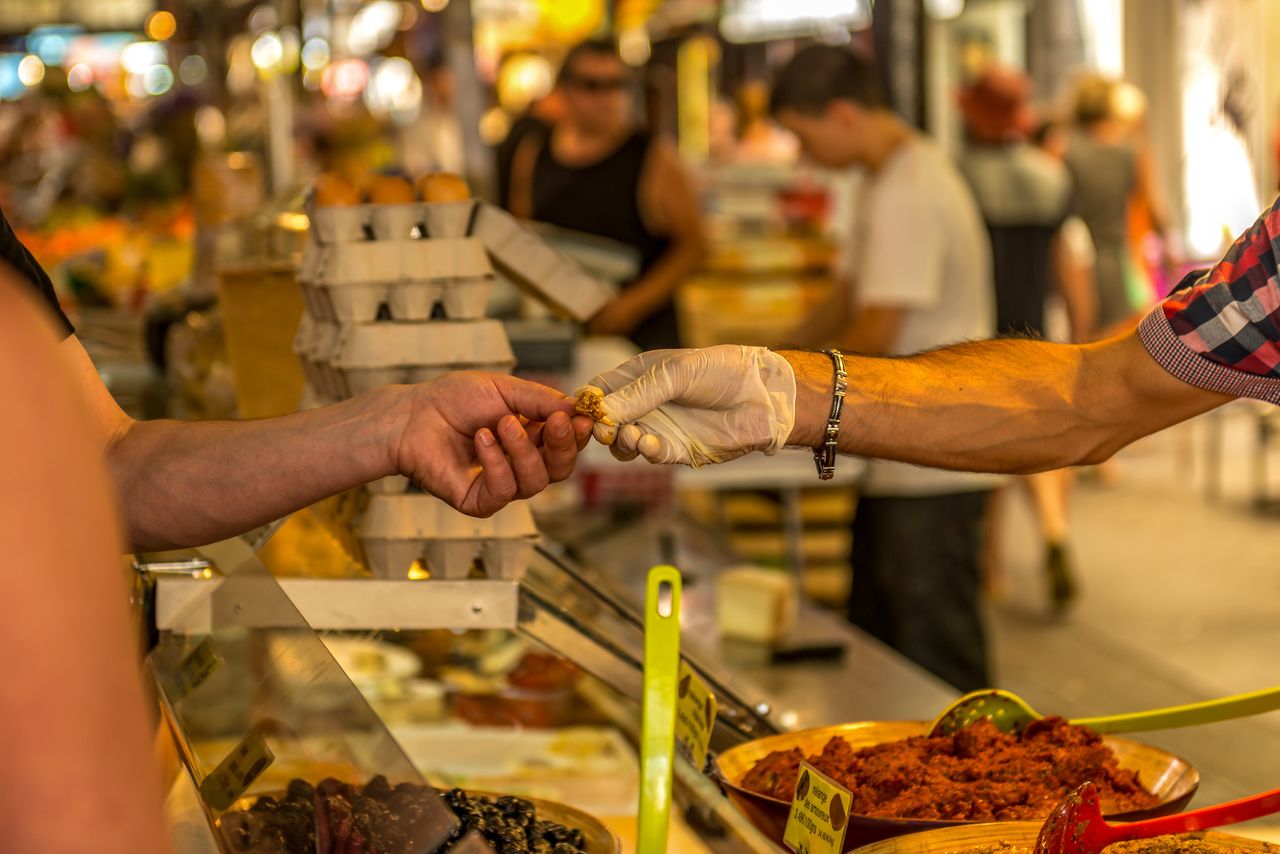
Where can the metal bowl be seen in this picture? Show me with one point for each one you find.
(1168, 777)
(954, 840)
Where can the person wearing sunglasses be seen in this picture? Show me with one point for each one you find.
(596, 171)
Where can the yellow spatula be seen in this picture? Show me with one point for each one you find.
(658, 723)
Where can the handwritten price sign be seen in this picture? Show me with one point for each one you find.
(819, 814)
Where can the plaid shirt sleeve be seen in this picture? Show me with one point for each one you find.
(1220, 329)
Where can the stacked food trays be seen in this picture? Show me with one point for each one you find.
(395, 281)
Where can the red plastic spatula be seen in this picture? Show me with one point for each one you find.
(1076, 826)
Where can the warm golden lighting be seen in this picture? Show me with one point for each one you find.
(161, 25)
(571, 20)
(418, 572)
(292, 221)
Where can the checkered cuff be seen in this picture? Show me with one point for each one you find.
(1172, 354)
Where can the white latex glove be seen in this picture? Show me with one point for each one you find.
(696, 407)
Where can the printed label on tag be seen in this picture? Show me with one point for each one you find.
(819, 814)
(695, 716)
(198, 666)
(235, 774)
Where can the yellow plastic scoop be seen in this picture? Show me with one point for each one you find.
(658, 721)
(1010, 713)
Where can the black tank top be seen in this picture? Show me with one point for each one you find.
(603, 198)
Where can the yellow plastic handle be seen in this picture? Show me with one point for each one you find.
(658, 724)
(1192, 714)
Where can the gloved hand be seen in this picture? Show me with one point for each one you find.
(697, 407)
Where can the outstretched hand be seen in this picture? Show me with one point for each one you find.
(479, 441)
(697, 407)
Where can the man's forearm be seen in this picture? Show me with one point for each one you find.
(188, 483)
(1003, 406)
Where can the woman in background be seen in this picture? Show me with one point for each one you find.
(1112, 173)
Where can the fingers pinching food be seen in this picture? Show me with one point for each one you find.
(590, 402)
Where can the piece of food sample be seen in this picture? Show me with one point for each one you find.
(590, 402)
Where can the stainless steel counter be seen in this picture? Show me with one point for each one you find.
(868, 681)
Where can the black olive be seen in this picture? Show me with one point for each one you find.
(301, 790)
(377, 788)
(264, 804)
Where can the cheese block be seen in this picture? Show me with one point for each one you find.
(755, 604)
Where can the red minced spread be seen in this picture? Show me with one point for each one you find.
(977, 774)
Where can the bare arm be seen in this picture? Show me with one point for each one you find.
(672, 208)
(71, 697)
(1005, 406)
(189, 483)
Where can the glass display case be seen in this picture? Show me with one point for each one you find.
(284, 753)
(528, 688)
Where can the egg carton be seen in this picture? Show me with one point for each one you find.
(527, 260)
(396, 530)
(340, 223)
(351, 223)
(520, 255)
(436, 344)
(352, 282)
(395, 222)
(315, 344)
(450, 559)
(410, 301)
(448, 219)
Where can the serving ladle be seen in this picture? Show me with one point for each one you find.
(1010, 713)
(1076, 825)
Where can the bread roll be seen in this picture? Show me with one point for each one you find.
(390, 190)
(332, 190)
(443, 187)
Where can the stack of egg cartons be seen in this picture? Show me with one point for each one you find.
(395, 292)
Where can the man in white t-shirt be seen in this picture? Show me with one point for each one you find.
(919, 276)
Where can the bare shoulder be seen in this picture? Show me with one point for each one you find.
(28, 341)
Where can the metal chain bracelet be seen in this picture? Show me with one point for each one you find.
(824, 456)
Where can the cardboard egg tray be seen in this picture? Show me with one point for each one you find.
(527, 260)
(339, 224)
(344, 258)
(397, 530)
(342, 361)
(353, 282)
(367, 356)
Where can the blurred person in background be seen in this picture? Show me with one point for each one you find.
(594, 171)
(433, 141)
(759, 139)
(1025, 198)
(919, 277)
(538, 117)
(1111, 171)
